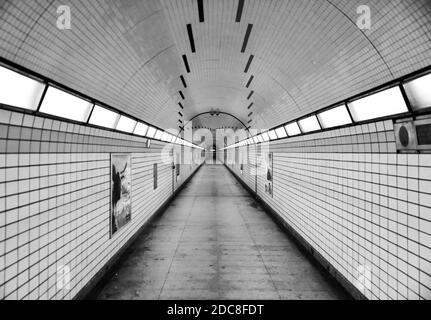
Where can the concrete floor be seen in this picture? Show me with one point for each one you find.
(215, 242)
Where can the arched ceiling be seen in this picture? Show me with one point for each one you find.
(216, 122)
(307, 53)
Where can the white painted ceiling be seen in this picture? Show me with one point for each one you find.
(308, 54)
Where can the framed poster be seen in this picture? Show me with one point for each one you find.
(269, 184)
(177, 165)
(121, 191)
(155, 176)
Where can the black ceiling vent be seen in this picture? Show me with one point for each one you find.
(247, 36)
(249, 82)
(239, 11)
(180, 121)
(249, 96)
(181, 115)
(250, 114)
(250, 60)
(186, 63)
(182, 95)
(250, 121)
(181, 106)
(201, 10)
(183, 81)
(251, 105)
(191, 39)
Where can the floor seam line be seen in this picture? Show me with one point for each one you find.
(176, 249)
(260, 253)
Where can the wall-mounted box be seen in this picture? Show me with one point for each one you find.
(413, 135)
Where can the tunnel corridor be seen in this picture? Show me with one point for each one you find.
(215, 242)
(215, 149)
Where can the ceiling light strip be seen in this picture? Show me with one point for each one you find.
(367, 107)
(191, 39)
(201, 11)
(250, 60)
(239, 10)
(249, 82)
(186, 63)
(246, 38)
(183, 81)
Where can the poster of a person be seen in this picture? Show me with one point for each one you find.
(269, 174)
(121, 187)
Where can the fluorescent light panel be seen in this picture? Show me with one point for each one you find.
(272, 135)
(281, 132)
(292, 129)
(103, 117)
(19, 91)
(309, 124)
(158, 135)
(65, 105)
(419, 92)
(164, 136)
(126, 124)
(265, 136)
(141, 129)
(335, 117)
(385, 103)
(151, 132)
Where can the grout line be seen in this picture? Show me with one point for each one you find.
(176, 249)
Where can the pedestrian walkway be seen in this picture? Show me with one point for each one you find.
(215, 242)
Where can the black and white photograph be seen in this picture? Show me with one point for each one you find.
(215, 158)
(269, 163)
(121, 189)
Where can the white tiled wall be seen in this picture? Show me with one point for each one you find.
(362, 206)
(55, 203)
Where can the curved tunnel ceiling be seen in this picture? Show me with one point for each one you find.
(307, 53)
(217, 121)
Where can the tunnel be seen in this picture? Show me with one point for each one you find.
(215, 150)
